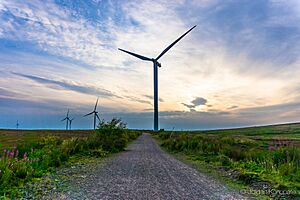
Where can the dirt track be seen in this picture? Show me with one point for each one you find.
(144, 171)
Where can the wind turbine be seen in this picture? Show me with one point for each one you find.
(67, 118)
(17, 124)
(155, 73)
(95, 114)
(70, 123)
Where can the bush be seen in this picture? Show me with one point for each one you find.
(111, 136)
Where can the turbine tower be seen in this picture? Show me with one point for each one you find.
(17, 124)
(95, 114)
(67, 118)
(70, 123)
(155, 73)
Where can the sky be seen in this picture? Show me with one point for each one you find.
(239, 67)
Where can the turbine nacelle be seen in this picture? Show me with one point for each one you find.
(157, 63)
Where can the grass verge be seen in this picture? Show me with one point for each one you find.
(254, 166)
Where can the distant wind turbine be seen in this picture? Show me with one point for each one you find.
(17, 124)
(95, 114)
(155, 73)
(67, 118)
(70, 123)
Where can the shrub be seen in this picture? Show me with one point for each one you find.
(111, 136)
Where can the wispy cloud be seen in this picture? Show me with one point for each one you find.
(55, 30)
(136, 99)
(151, 97)
(69, 86)
(232, 107)
(8, 93)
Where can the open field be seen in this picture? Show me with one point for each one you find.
(11, 137)
(268, 154)
(268, 130)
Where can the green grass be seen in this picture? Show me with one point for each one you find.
(12, 137)
(269, 153)
(40, 152)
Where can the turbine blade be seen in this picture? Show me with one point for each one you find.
(171, 45)
(68, 112)
(64, 119)
(89, 114)
(136, 55)
(96, 104)
(98, 117)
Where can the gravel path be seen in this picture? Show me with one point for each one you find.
(144, 171)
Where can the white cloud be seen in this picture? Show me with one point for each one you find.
(56, 32)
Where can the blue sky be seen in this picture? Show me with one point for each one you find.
(238, 67)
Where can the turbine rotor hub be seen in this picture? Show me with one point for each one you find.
(157, 63)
